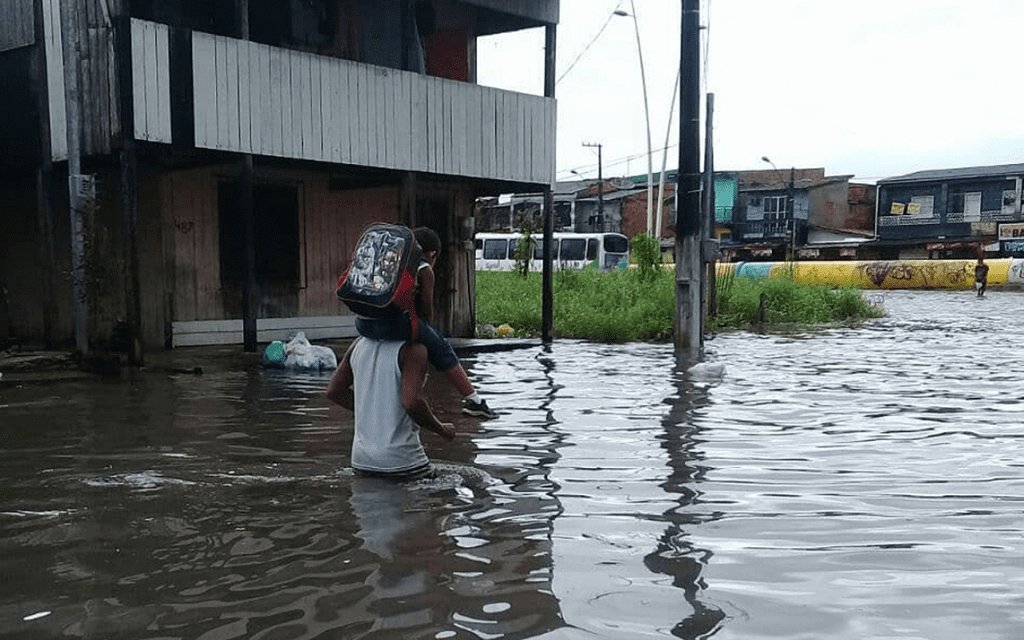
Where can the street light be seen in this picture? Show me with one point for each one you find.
(647, 118)
(790, 208)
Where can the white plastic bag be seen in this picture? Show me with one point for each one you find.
(300, 354)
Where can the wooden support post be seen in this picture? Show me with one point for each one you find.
(45, 185)
(70, 38)
(250, 286)
(129, 192)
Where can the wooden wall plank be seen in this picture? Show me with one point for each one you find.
(287, 106)
(385, 126)
(55, 79)
(474, 134)
(330, 135)
(303, 106)
(151, 93)
(244, 54)
(204, 92)
(420, 125)
(162, 132)
(257, 73)
(220, 93)
(341, 148)
(460, 132)
(275, 84)
(17, 27)
(317, 65)
(488, 124)
(360, 123)
(343, 106)
(232, 75)
(402, 122)
(373, 109)
(138, 37)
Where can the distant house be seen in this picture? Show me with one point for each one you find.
(796, 214)
(231, 152)
(953, 213)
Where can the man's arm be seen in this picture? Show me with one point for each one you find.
(339, 389)
(414, 375)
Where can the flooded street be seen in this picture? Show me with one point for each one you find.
(847, 484)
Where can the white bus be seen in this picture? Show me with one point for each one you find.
(497, 251)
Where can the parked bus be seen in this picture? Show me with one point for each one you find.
(497, 251)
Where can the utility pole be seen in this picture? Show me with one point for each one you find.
(80, 187)
(710, 242)
(600, 186)
(547, 287)
(792, 215)
(689, 230)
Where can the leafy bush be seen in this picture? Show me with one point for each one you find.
(646, 253)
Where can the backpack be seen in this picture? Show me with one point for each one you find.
(378, 283)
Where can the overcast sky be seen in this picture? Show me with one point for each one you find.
(873, 88)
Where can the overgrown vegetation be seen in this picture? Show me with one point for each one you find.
(786, 304)
(645, 252)
(621, 306)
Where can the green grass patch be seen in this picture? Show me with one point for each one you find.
(629, 305)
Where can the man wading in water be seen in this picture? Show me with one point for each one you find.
(981, 276)
(381, 381)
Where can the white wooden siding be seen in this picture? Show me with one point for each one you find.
(18, 27)
(253, 98)
(151, 81)
(55, 80)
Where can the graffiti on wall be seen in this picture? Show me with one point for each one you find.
(923, 273)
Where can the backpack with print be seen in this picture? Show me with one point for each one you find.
(378, 283)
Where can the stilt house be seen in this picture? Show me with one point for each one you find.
(182, 172)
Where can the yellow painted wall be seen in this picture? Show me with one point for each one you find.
(879, 274)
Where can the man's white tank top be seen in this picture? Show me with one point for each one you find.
(386, 439)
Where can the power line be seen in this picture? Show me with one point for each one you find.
(592, 41)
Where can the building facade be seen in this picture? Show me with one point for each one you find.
(231, 151)
(953, 213)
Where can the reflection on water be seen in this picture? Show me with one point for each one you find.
(858, 483)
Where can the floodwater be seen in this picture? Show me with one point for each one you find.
(857, 483)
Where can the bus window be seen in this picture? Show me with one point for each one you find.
(616, 244)
(479, 244)
(591, 248)
(513, 245)
(573, 248)
(538, 250)
(495, 249)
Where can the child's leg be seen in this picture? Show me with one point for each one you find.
(443, 358)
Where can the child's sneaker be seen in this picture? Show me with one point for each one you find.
(480, 409)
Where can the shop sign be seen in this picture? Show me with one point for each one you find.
(1011, 230)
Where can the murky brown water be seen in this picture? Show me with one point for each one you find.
(859, 483)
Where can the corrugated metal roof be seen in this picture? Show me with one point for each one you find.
(992, 171)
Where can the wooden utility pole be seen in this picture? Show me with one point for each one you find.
(689, 230)
(547, 290)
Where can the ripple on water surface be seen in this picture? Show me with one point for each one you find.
(854, 483)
